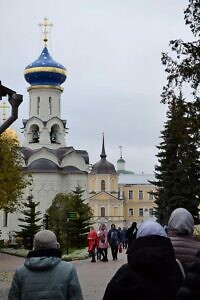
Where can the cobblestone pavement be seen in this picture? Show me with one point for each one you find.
(93, 277)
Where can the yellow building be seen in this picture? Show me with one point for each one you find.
(103, 190)
(135, 190)
(121, 196)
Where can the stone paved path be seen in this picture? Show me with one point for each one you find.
(93, 277)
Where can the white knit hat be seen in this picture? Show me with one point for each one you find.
(45, 239)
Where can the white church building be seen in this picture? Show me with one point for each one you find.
(55, 166)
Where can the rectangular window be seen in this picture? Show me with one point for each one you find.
(116, 211)
(130, 195)
(130, 212)
(150, 212)
(150, 195)
(140, 195)
(141, 212)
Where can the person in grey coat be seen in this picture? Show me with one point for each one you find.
(44, 275)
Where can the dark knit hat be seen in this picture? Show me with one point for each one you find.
(45, 239)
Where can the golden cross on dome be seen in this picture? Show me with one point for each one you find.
(4, 106)
(44, 26)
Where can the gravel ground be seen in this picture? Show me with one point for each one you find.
(93, 277)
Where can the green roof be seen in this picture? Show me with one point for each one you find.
(124, 172)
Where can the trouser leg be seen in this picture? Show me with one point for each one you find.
(93, 255)
(113, 252)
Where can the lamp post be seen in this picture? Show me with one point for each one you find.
(15, 100)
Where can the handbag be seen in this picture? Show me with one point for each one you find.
(120, 248)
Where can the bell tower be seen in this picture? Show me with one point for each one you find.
(44, 126)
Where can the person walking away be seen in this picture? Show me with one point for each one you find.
(44, 275)
(124, 238)
(151, 272)
(131, 233)
(92, 243)
(103, 242)
(114, 240)
(180, 231)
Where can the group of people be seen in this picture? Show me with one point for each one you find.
(160, 265)
(117, 239)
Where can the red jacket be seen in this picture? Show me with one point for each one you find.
(92, 240)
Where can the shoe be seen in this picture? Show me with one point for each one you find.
(104, 259)
(93, 260)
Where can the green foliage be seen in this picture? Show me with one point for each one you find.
(12, 179)
(80, 227)
(184, 70)
(70, 232)
(178, 171)
(31, 219)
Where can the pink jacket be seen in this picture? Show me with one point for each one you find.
(185, 248)
(103, 239)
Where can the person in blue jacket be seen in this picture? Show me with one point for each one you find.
(44, 275)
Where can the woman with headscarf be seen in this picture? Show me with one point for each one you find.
(103, 242)
(151, 272)
(180, 231)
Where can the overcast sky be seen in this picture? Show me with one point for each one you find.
(112, 51)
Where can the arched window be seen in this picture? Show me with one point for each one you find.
(103, 185)
(54, 134)
(103, 212)
(35, 134)
(5, 218)
(112, 185)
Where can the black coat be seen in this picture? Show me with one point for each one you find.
(190, 289)
(150, 274)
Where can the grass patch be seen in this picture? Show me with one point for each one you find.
(74, 255)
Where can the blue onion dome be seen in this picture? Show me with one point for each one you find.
(45, 71)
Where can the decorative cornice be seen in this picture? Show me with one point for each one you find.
(35, 87)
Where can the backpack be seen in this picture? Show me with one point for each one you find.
(114, 237)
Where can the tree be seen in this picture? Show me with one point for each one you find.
(80, 226)
(71, 231)
(178, 171)
(12, 179)
(31, 219)
(184, 70)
